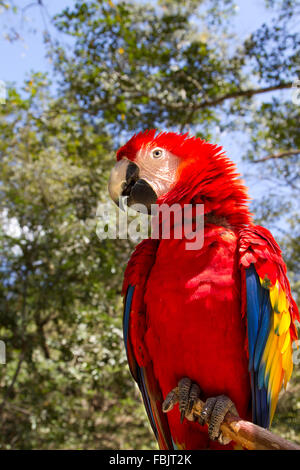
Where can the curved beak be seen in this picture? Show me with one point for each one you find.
(124, 182)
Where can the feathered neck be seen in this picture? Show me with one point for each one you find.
(207, 176)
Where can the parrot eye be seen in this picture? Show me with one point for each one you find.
(156, 153)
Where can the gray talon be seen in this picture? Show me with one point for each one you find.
(214, 412)
(184, 386)
(194, 395)
(186, 394)
(207, 410)
(170, 401)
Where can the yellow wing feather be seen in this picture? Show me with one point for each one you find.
(277, 356)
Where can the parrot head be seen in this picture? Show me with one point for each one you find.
(166, 167)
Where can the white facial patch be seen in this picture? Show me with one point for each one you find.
(158, 167)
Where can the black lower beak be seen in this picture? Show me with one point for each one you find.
(137, 190)
(142, 194)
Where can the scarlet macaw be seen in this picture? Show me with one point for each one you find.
(217, 322)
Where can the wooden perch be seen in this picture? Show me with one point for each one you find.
(249, 435)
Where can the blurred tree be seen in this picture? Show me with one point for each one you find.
(128, 66)
(66, 377)
(175, 64)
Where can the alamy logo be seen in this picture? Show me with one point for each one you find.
(296, 92)
(2, 352)
(2, 92)
(161, 222)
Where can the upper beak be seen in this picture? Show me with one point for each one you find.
(124, 181)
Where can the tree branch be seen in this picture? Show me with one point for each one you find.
(247, 434)
(211, 103)
(285, 153)
(194, 106)
(250, 435)
(236, 94)
(241, 93)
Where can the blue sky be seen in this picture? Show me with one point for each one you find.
(28, 54)
(21, 57)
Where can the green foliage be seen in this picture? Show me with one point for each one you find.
(139, 65)
(60, 295)
(128, 66)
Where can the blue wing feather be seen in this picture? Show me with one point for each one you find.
(143, 375)
(258, 324)
(146, 399)
(126, 315)
(136, 371)
(264, 327)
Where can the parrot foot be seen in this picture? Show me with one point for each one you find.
(186, 394)
(213, 413)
